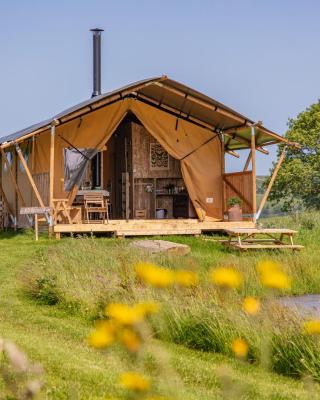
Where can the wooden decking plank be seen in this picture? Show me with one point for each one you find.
(259, 231)
(265, 246)
(150, 225)
(132, 232)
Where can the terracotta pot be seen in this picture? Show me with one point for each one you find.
(235, 213)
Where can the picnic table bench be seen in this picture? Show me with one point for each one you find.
(261, 238)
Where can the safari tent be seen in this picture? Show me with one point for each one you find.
(153, 150)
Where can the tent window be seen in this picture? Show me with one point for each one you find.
(77, 162)
(25, 154)
(9, 156)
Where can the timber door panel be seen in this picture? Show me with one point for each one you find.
(238, 184)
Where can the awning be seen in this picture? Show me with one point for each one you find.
(178, 100)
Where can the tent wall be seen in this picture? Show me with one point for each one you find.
(26, 190)
(36, 161)
(198, 150)
(7, 183)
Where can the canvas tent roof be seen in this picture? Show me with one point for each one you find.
(175, 98)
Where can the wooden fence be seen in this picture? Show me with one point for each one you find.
(238, 184)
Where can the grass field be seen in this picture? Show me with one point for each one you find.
(51, 292)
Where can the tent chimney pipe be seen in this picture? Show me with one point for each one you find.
(96, 61)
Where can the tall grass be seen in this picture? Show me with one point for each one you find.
(83, 274)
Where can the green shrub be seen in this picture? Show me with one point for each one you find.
(45, 290)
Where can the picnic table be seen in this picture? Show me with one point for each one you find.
(261, 238)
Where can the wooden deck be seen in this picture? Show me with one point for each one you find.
(122, 228)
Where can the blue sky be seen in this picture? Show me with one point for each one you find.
(260, 57)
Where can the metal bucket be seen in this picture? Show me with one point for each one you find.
(161, 213)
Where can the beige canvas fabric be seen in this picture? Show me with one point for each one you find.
(198, 149)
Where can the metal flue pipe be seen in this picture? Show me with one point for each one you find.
(96, 61)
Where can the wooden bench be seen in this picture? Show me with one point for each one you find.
(36, 211)
(267, 238)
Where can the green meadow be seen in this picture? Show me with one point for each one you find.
(53, 291)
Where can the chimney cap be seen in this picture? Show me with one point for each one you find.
(97, 30)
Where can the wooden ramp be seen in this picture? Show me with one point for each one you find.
(123, 228)
(253, 238)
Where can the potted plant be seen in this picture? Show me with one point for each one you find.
(234, 209)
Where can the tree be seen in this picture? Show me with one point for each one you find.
(298, 181)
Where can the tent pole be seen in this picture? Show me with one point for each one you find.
(246, 166)
(33, 185)
(273, 178)
(51, 171)
(33, 153)
(223, 167)
(254, 182)
(72, 194)
(233, 153)
(51, 175)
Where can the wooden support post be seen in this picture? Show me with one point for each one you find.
(33, 155)
(155, 197)
(72, 195)
(26, 168)
(233, 153)
(246, 166)
(254, 181)
(51, 171)
(223, 167)
(36, 227)
(51, 176)
(273, 177)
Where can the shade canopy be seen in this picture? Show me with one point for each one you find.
(174, 98)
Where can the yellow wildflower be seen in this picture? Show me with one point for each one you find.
(134, 381)
(186, 278)
(130, 340)
(312, 327)
(154, 275)
(251, 305)
(226, 277)
(240, 347)
(124, 314)
(276, 280)
(101, 338)
(272, 275)
(157, 398)
(148, 308)
(265, 266)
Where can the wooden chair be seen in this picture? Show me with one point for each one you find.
(95, 203)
